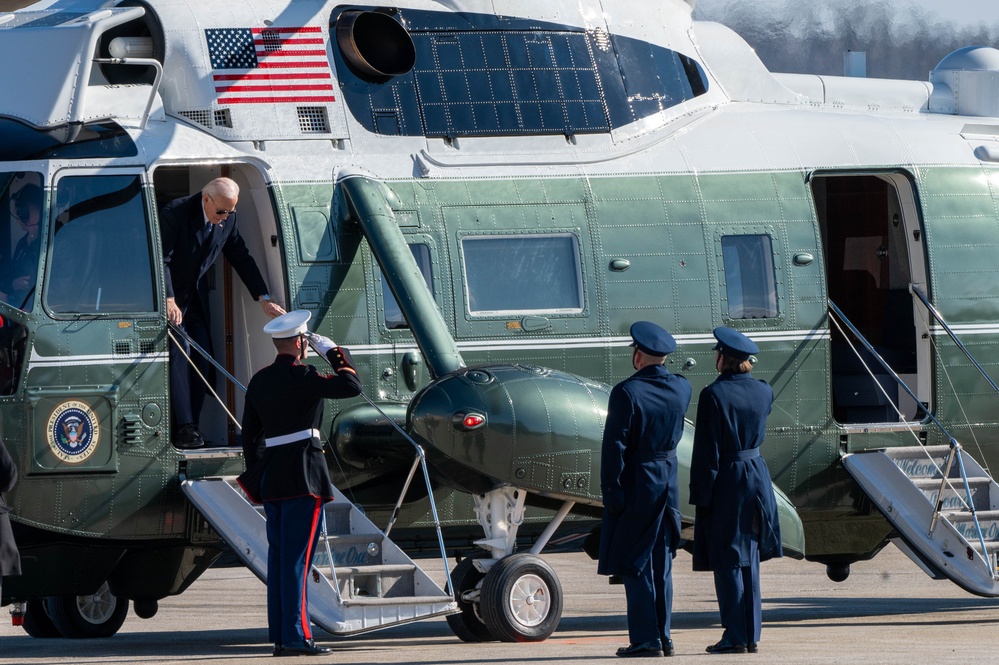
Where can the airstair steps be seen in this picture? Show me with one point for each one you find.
(904, 484)
(372, 583)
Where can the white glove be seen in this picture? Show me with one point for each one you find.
(322, 344)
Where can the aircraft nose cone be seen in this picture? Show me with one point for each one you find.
(519, 425)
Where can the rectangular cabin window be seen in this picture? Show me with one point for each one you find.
(521, 274)
(100, 256)
(394, 320)
(750, 280)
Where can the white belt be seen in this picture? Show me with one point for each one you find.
(291, 438)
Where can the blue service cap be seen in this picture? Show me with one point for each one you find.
(288, 325)
(733, 343)
(652, 339)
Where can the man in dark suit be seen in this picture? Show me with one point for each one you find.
(638, 478)
(286, 470)
(10, 560)
(195, 230)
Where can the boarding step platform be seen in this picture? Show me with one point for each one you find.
(933, 514)
(372, 583)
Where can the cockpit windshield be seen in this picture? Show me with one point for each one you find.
(21, 214)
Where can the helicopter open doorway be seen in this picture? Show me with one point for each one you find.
(873, 252)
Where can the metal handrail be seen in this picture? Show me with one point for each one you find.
(955, 447)
(939, 317)
(421, 461)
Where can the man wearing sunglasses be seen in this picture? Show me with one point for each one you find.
(195, 230)
(18, 278)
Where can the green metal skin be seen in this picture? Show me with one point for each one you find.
(123, 509)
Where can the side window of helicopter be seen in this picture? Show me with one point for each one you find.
(394, 320)
(100, 252)
(21, 216)
(750, 279)
(521, 274)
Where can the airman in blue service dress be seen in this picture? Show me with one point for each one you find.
(286, 469)
(638, 478)
(736, 523)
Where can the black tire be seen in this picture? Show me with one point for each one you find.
(468, 625)
(36, 620)
(521, 599)
(100, 614)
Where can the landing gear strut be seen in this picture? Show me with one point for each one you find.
(510, 597)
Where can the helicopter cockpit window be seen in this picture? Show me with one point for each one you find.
(750, 280)
(504, 275)
(101, 255)
(394, 320)
(21, 214)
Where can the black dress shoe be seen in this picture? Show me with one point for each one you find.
(724, 646)
(278, 649)
(752, 648)
(188, 437)
(306, 648)
(643, 650)
(668, 647)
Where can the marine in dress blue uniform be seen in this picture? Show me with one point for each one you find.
(286, 469)
(638, 478)
(195, 231)
(736, 523)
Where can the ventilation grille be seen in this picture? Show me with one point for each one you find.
(209, 117)
(130, 429)
(147, 346)
(313, 120)
(203, 117)
(122, 348)
(223, 118)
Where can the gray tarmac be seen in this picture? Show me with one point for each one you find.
(888, 611)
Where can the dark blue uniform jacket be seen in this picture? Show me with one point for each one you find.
(730, 483)
(284, 398)
(638, 468)
(186, 260)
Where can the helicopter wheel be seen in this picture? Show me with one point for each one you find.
(36, 620)
(100, 614)
(468, 625)
(521, 599)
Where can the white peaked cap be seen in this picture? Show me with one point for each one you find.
(288, 325)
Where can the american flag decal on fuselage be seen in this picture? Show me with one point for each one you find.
(270, 65)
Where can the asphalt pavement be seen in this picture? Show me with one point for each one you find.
(887, 611)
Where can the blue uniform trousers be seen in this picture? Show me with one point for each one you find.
(292, 534)
(649, 596)
(739, 602)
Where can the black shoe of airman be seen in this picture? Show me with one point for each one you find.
(752, 647)
(724, 646)
(667, 646)
(643, 650)
(188, 437)
(306, 648)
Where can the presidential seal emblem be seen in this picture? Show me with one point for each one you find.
(73, 432)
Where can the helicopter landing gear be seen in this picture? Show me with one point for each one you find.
(99, 614)
(510, 597)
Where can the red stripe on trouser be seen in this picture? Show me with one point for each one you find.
(306, 623)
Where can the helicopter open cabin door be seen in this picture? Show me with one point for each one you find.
(873, 247)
